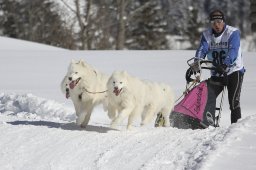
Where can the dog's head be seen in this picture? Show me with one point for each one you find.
(117, 82)
(75, 73)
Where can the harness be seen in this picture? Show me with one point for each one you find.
(87, 91)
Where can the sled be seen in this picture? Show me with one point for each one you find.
(196, 110)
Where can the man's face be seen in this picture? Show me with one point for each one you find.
(217, 25)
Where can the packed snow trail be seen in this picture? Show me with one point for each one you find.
(238, 151)
(36, 139)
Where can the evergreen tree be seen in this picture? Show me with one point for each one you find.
(147, 31)
(35, 21)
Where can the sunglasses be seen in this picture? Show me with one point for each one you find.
(218, 21)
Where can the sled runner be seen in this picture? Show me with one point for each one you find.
(196, 110)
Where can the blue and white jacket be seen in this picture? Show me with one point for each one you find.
(222, 49)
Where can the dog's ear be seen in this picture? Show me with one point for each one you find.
(125, 73)
(82, 63)
(73, 61)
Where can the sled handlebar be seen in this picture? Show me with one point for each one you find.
(196, 64)
(207, 62)
(195, 67)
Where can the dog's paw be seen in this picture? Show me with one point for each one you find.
(112, 116)
(83, 126)
(79, 122)
(142, 124)
(113, 124)
(167, 124)
(130, 127)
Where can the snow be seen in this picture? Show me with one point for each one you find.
(8, 44)
(37, 129)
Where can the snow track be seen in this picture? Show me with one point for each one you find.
(34, 142)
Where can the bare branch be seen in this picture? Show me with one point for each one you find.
(138, 10)
(68, 6)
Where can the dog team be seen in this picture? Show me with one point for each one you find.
(121, 94)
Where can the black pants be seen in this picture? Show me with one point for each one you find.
(234, 84)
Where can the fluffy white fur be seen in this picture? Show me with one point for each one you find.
(85, 86)
(131, 97)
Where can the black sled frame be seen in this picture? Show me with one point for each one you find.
(180, 120)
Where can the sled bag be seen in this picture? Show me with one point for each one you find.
(196, 110)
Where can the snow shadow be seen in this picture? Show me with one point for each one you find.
(64, 126)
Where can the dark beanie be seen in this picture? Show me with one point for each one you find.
(216, 14)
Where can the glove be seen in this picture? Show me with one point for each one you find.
(221, 69)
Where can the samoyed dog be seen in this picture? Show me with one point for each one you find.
(86, 87)
(131, 97)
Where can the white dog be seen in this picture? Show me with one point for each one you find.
(86, 87)
(131, 97)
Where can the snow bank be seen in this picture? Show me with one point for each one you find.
(18, 45)
(30, 106)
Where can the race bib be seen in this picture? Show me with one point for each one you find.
(217, 56)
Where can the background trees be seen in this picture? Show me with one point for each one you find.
(35, 21)
(117, 24)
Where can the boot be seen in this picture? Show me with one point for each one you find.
(235, 115)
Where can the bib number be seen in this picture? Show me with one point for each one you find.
(218, 57)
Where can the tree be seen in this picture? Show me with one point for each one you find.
(193, 28)
(92, 22)
(121, 25)
(117, 24)
(147, 28)
(35, 21)
(253, 15)
(107, 25)
(84, 21)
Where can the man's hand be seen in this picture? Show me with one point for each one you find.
(221, 69)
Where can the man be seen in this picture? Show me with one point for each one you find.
(221, 44)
